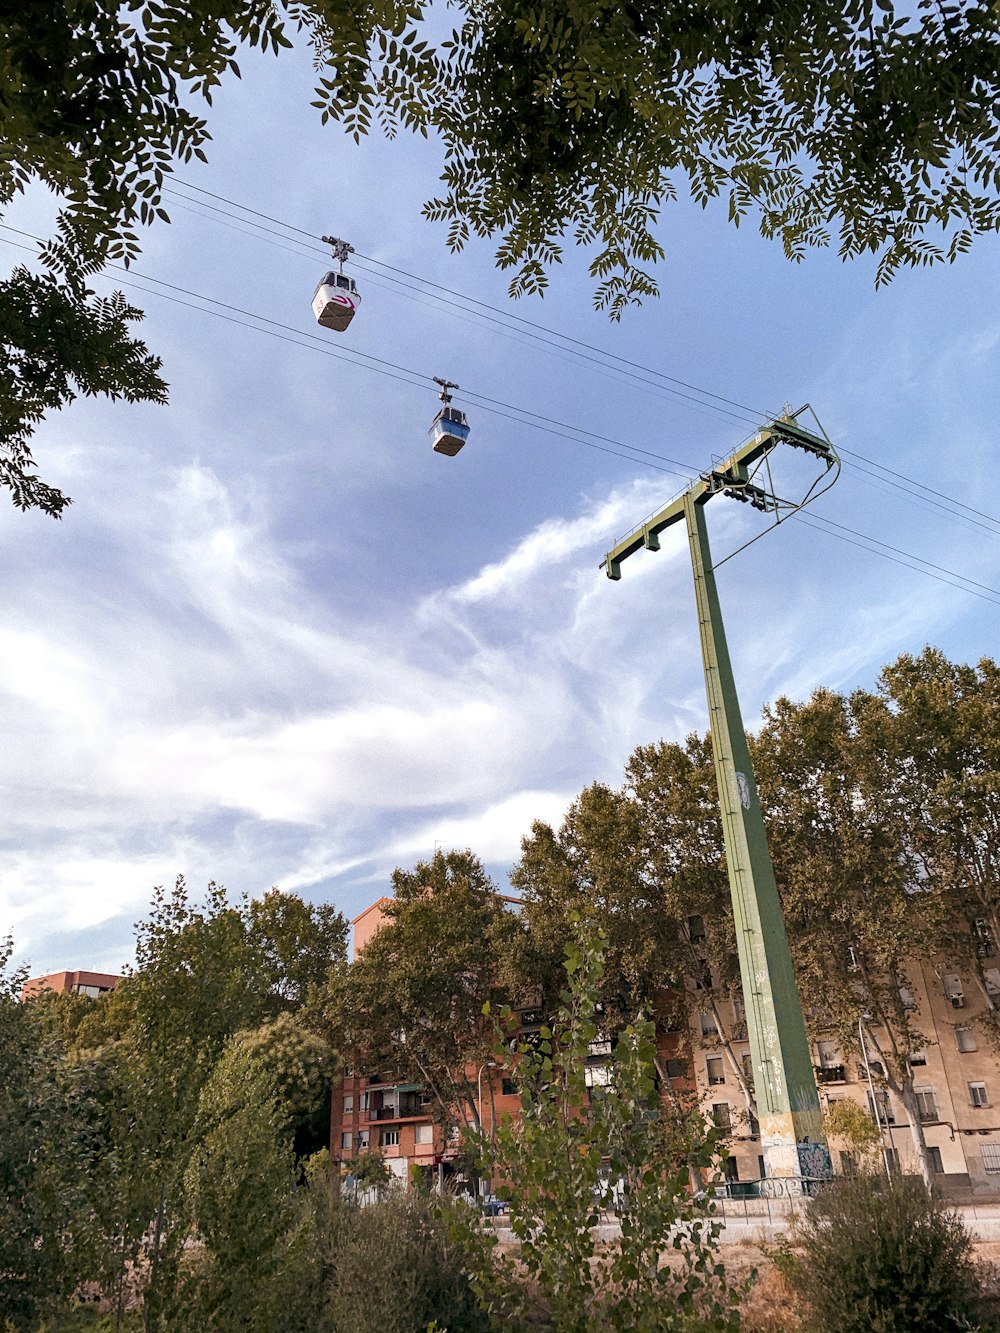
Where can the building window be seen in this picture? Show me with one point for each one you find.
(891, 1158)
(696, 929)
(708, 1024)
(388, 1138)
(677, 1069)
(934, 1157)
(348, 1106)
(992, 978)
(991, 1158)
(364, 1101)
(731, 1168)
(346, 1141)
(747, 1060)
(985, 947)
(919, 1057)
(966, 1039)
(907, 997)
(954, 990)
(715, 1070)
(829, 1054)
(926, 1103)
(363, 1141)
(978, 1095)
(424, 1134)
(880, 1109)
(508, 1087)
(721, 1117)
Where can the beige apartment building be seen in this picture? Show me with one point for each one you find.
(956, 1076)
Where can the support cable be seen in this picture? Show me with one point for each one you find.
(548, 425)
(635, 370)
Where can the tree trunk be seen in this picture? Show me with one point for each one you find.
(909, 1099)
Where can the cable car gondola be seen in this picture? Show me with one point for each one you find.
(336, 299)
(449, 429)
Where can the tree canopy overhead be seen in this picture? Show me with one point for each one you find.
(866, 125)
(861, 123)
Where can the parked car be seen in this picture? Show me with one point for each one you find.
(494, 1207)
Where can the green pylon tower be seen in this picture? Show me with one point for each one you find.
(788, 1112)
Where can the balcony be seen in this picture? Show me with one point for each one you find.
(409, 1108)
(830, 1073)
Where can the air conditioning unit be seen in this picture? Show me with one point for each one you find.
(957, 1001)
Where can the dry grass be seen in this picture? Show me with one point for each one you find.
(771, 1306)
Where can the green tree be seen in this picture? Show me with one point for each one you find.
(845, 1120)
(594, 863)
(204, 971)
(240, 1183)
(674, 788)
(97, 106)
(49, 1153)
(299, 942)
(574, 1150)
(58, 341)
(301, 1065)
(885, 1256)
(647, 862)
(369, 1170)
(855, 924)
(412, 1001)
(932, 732)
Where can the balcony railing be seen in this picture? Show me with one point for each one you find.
(406, 1110)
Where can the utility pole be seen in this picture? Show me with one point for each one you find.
(788, 1110)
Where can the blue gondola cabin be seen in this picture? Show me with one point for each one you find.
(449, 431)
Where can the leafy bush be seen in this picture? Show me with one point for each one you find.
(879, 1256)
(386, 1267)
(397, 1272)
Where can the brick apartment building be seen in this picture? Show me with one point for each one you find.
(75, 983)
(397, 1118)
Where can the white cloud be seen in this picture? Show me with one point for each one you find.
(493, 833)
(556, 542)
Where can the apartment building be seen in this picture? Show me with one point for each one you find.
(75, 983)
(957, 1085)
(400, 1119)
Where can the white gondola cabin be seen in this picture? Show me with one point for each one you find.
(449, 431)
(336, 301)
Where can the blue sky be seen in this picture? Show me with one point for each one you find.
(278, 640)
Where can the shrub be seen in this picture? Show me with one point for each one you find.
(879, 1256)
(395, 1270)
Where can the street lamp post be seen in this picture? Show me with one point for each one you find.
(886, 1157)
